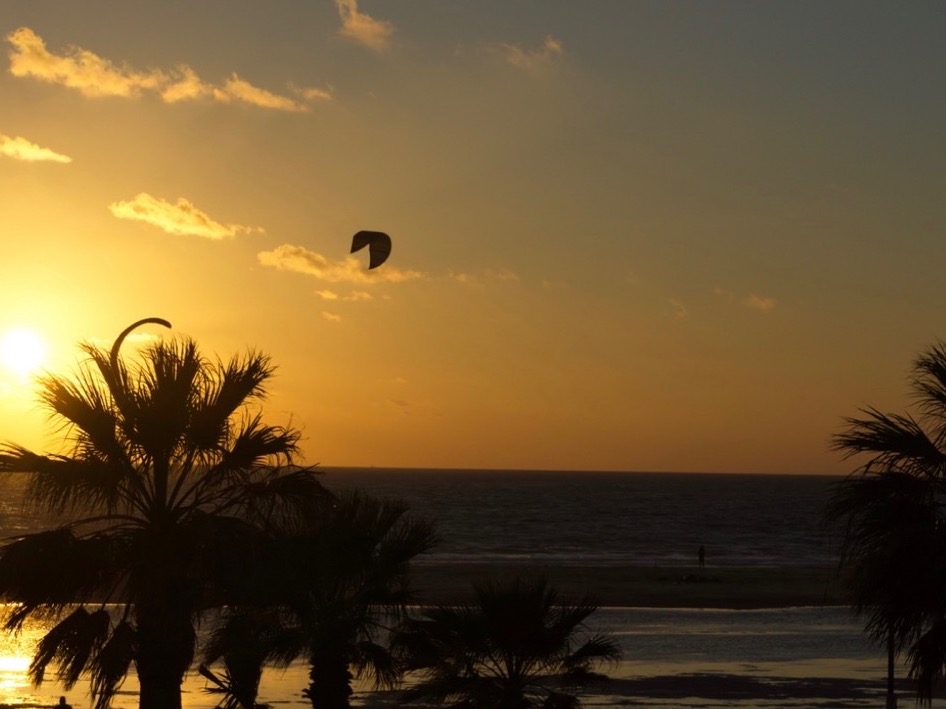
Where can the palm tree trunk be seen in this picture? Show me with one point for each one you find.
(159, 689)
(329, 681)
(891, 656)
(165, 650)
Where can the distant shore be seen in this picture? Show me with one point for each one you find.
(646, 586)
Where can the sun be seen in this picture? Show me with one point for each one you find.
(22, 351)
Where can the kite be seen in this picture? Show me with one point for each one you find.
(378, 243)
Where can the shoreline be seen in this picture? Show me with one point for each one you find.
(733, 587)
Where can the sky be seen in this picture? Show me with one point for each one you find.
(657, 236)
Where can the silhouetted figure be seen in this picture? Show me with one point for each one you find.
(702, 556)
(62, 704)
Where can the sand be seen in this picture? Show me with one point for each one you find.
(747, 685)
(647, 586)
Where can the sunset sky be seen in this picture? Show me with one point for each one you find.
(666, 236)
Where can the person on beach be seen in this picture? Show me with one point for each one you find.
(62, 704)
(702, 555)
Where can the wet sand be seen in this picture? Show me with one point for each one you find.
(648, 586)
(746, 684)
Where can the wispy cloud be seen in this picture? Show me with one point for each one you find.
(678, 309)
(79, 69)
(237, 89)
(752, 301)
(21, 149)
(363, 28)
(95, 76)
(182, 217)
(352, 297)
(311, 94)
(551, 50)
(331, 317)
(489, 275)
(759, 302)
(298, 259)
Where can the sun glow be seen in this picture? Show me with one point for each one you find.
(22, 351)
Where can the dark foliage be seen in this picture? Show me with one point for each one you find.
(169, 486)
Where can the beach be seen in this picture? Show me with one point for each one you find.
(747, 637)
(763, 625)
(744, 637)
(737, 587)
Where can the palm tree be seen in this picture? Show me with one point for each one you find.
(333, 586)
(168, 476)
(503, 650)
(242, 642)
(893, 554)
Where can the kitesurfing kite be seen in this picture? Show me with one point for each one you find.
(378, 243)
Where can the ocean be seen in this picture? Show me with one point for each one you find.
(805, 658)
(594, 518)
(587, 518)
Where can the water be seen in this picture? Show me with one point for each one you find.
(613, 518)
(804, 658)
(587, 518)
(674, 658)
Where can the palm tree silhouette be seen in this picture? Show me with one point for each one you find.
(503, 650)
(168, 478)
(332, 587)
(893, 554)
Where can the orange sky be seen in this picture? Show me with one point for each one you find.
(678, 236)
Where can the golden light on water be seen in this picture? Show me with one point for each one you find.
(13, 672)
(14, 663)
(22, 351)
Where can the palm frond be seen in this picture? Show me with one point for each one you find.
(54, 568)
(929, 383)
(229, 389)
(283, 500)
(82, 406)
(927, 661)
(893, 442)
(376, 662)
(163, 394)
(69, 644)
(599, 648)
(515, 636)
(111, 663)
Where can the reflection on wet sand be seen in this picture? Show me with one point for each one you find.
(801, 658)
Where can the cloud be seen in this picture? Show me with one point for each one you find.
(80, 69)
(21, 149)
(237, 89)
(752, 301)
(550, 51)
(185, 85)
(362, 28)
(181, 217)
(311, 94)
(95, 76)
(489, 275)
(758, 302)
(680, 311)
(354, 296)
(331, 317)
(298, 259)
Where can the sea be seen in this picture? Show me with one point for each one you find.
(612, 519)
(802, 657)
